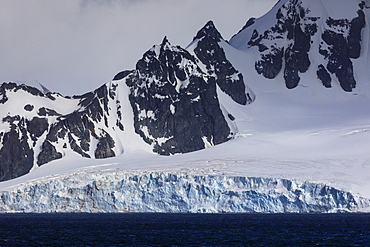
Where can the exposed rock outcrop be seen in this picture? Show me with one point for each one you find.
(175, 103)
(287, 46)
(211, 54)
(16, 155)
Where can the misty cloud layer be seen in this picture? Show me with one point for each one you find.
(75, 46)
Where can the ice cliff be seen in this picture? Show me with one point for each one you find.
(176, 193)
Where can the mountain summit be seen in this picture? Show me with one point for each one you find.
(170, 100)
(297, 36)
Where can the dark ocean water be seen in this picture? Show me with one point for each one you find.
(184, 229)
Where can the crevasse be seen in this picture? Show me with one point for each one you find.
(121, 191)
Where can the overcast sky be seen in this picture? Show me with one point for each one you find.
(74, 46)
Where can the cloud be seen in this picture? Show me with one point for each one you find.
(75, 46)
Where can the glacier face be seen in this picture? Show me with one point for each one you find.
(121, 191)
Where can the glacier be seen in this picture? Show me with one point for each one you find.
(171, 192)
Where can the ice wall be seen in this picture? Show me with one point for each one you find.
(177, 193)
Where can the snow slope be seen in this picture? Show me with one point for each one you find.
(308, 134)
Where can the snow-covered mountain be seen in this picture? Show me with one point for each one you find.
(286, 97)
(320, 35)
(174, 109)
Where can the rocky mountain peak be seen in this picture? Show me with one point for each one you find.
(208, 49)
(166, 63)
(175, 104)
(210, 31)
(301, 30)
(165, 43)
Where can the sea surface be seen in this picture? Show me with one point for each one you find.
(184, 229)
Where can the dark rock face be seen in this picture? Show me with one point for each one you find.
(271, 63)
(16, 157)
(296, 54)
(36, 127)
(354, 37)
(47, 112)
(324, 76)
(48, 154)
(175, 109)
(210, 53)
(298, 28)
(104, 147)
(286, 45)
(29, 107)
(340, 49)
